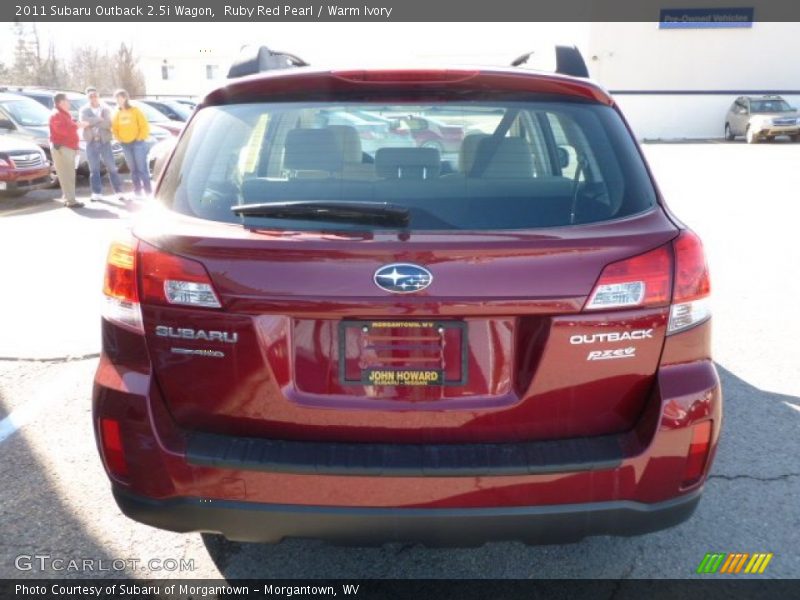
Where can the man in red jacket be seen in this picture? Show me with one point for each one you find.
(64, 148)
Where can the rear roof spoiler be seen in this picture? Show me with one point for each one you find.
(260, 59)
(568, 61)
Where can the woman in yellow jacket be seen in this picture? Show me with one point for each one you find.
(131, 130)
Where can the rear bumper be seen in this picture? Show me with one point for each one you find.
(254, 522)
(256, 489)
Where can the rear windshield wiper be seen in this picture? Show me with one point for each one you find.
(372, 213)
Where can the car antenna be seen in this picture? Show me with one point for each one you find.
(521, 60)
(568, 61)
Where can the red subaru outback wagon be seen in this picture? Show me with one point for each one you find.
(510, 341)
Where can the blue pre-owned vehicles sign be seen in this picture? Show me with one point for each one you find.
(702, 18)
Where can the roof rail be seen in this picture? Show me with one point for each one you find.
(568, 61)
(257, 60)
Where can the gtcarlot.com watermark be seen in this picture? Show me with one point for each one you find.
(47, 562)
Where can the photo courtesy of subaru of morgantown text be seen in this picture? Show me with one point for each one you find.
(440, 305)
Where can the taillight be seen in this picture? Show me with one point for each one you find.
(643, 280)
(121, 298)
(698, 453)
(174, 280)
(650, 280)
(690, 301)
(112, 447)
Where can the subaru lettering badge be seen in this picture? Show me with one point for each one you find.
(402, 278)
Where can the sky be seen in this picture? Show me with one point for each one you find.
(328, 44)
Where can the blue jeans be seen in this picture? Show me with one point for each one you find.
(136, 157)
(98, 154)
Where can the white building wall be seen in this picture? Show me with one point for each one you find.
(187, 76)
(623, 57)
(636, 57)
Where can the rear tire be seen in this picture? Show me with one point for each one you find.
(795, 138)
(728, 133)
(750, 136)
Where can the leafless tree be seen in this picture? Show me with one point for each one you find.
(127, 74)
(25, 68)
(88, 65)
(35, 64)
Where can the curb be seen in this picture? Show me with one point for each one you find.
(67, 358)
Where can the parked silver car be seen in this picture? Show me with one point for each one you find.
(761, 117)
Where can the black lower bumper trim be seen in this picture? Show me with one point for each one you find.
(405, 460)
(252, 522)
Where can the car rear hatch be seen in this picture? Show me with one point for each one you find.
(300, 328)
(497, 348)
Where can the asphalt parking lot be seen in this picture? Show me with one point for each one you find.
(55, 500)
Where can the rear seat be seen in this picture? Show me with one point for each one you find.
(469, 147)
(408, 163)
(318, 158)
(349, 142)
(312, 154)
(510, 159)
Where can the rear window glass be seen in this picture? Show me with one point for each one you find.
(451, 166)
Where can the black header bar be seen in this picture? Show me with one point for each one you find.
(266, 11)
(709, 588)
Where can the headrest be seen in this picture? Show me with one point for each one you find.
(312, 150)
(407, 163)
(349, 142)
(469, 147)
(512, 158)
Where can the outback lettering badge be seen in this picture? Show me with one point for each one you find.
(613, 336)
(184, 333)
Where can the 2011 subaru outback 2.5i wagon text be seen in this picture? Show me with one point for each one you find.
(304, 339)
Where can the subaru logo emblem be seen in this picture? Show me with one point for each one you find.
(402, 278)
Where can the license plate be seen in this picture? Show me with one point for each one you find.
(403, 353)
